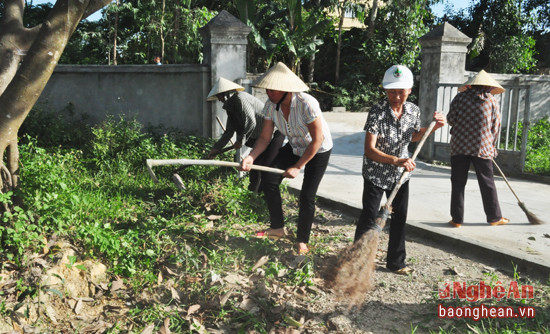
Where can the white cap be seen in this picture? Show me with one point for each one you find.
(398, 77)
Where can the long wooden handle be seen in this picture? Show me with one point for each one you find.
(165, 162)
(415, 154)
(506, 180)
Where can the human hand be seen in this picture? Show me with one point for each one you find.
(246, 163)
(212, 154)
(291, 172)
(440, 120)
(407, 163)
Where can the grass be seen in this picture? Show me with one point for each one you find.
(92, 190)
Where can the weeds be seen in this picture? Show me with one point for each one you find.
(172, 248)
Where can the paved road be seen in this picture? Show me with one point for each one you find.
(526, 245)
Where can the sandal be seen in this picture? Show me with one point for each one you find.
(302, 250)
(403, 271)
(270, 235)
(455, 224)
(502, 221)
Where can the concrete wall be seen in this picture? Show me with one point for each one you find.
(169, 95)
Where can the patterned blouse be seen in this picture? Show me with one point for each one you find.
(304, 109)
(243, 117)
(474, 117)
(393, 138)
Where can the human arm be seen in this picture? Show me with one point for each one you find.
(440, 121)
(261, 144)
(224, 139)
(315, 129)
(375, 154)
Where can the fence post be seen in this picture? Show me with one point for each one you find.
(443, 62)
(225, 39)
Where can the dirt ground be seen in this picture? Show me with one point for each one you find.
(397, 304)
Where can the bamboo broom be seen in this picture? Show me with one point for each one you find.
(530, 216)
(353, 275)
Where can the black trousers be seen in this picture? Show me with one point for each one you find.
(265, 159)
(313, 173)
(372, 197)
(460, 164)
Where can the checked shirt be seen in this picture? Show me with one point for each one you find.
(393, 138)
(474, 118)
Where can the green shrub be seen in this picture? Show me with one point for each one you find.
(538, 148)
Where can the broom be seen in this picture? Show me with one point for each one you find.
(530, 216)
(354, 270)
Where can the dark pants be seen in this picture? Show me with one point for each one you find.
(264, 159)
(313, 173)
(372, 197)
(460, 164)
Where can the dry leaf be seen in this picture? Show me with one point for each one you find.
(214, 217)
(190, 279)
(193, 308)
(159, 278)
(165, 329)
(196, 325)
(263, 260)
(225, 297)
(148, 329)
(78, 307)
(247, 304)
(175, 294)
(117, 285)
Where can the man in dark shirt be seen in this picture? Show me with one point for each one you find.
(245, 119)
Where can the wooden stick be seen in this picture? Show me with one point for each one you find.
(165, 162)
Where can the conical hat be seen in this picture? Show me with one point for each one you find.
(280, 78)
(483, 79)
(223, 85)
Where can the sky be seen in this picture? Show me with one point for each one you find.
(437, 9)
(456, 5)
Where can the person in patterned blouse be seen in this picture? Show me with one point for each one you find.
(244, 117)
(390, 127)
(298, 116)
(474, 117)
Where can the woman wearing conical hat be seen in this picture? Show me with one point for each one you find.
(244, 117)
(474, 117)
(298, 116)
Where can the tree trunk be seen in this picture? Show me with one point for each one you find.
(40, 48)
(115, 36)
(372, 17)
(339, 46)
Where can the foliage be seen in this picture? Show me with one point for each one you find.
(500, 42)
(100, 198)
(365, 58)
(56, 129)
(538, 148)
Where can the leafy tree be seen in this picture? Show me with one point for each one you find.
(500, 39)
(391, 38)
(28, 56)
